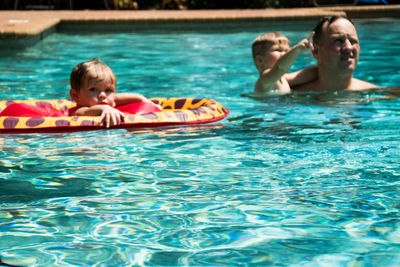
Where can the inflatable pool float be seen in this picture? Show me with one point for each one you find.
(176, 111)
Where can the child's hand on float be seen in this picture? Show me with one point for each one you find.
(110, 116)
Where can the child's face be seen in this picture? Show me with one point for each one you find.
(274, 53)
(95, 91)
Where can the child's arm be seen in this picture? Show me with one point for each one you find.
(284, 63)
(127, 98)
(109, 116)
(302, 76)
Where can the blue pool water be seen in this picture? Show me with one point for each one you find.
(308, 179)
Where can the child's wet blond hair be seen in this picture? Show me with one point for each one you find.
(88, 70)
(265, 41)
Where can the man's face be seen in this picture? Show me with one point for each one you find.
(338, 48)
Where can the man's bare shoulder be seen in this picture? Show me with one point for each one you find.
(360, 85)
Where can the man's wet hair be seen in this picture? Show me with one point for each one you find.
(329, 20)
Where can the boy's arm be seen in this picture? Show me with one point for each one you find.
(302, 76)
(127, 98)
(284, 63)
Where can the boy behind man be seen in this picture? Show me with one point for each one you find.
(273, 58)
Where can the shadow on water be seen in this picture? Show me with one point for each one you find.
(29, 172)
(25, 191)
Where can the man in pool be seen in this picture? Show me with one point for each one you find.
(336, 49)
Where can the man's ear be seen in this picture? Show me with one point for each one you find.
(74, 94)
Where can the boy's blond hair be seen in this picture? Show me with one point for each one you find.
(88, 70)
(265, 41)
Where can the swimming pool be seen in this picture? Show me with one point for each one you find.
(309, 179)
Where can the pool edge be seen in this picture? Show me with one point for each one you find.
(19, 29)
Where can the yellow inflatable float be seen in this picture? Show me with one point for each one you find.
(176, 111)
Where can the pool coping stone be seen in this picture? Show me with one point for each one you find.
(31, 26)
